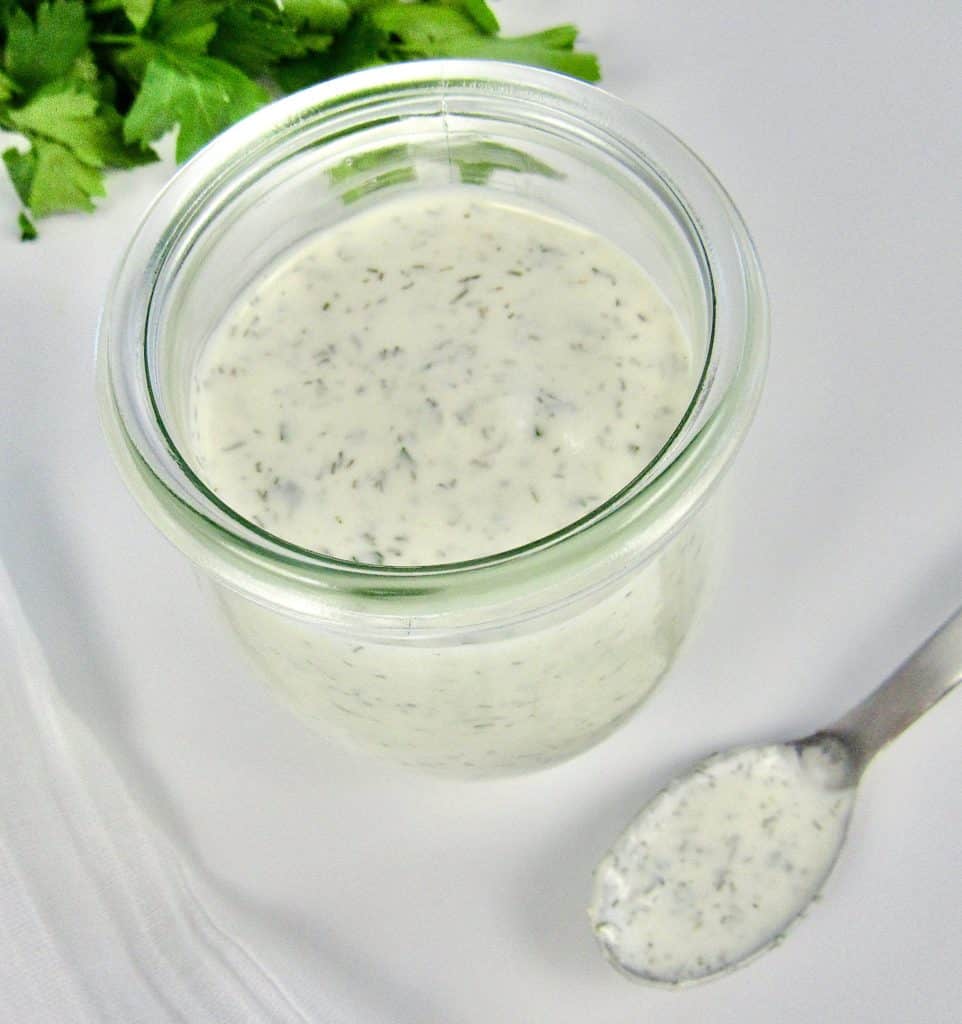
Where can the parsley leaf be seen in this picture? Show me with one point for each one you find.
(254, 36)
(20, 167)
(549, 49)
(60, 113)
(187, 25)
(201, 94)
(320, 15)
(422, 31)
(138, 12)
(50, 179)
(90, 84)
(358, 46)
(479, 12)
(7, 87)
(42, 51)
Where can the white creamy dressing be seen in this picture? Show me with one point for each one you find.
(527, 695)
(721, 862)
(434, 379)
(437, 379)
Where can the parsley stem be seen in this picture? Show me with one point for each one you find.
(114, 39)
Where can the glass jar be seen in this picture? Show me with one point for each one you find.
(504, 663)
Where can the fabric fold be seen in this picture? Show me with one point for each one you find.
(102, 922)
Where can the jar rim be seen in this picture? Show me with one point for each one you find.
(646, 510)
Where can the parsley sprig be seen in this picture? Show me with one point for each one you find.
(89, 85)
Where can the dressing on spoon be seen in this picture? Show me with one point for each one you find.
(713, 871)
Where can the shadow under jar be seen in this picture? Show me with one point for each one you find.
(522, 658)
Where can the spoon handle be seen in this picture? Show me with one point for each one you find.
(924, 678)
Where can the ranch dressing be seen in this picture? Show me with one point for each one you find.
(437, 379)
(442, 377)
(718, 865)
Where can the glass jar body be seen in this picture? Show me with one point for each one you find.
(498, 699)
(511, 661)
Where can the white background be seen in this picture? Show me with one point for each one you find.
(836, 127)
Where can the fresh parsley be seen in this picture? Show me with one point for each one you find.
(90, 85)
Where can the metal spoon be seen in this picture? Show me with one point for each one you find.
(715, 869)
